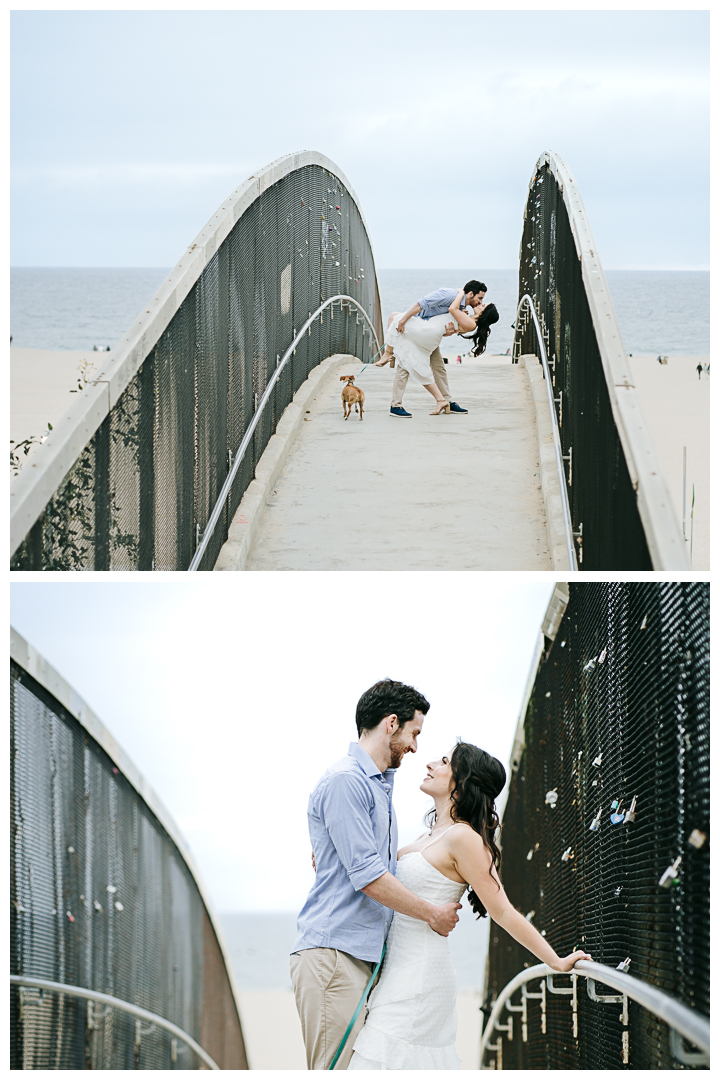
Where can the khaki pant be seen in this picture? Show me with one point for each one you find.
(328, 985)
(401, 378)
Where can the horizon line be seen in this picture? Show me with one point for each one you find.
(434, 269)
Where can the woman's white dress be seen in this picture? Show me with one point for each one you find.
(417, 342)
(412, 1019)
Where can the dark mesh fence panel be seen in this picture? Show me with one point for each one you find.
(644, 706)
(142, 491)
(601, 494)
(101, 899)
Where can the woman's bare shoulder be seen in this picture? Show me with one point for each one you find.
(469, 842)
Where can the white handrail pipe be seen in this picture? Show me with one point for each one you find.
(122, 1006)
(692, 1025)
(238, 458)
(564, 500)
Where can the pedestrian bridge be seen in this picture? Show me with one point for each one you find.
(190, 451)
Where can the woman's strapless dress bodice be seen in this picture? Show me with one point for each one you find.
(422, 878)
(412, 1022)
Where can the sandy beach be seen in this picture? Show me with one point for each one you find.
(41, 385)
(273, 1038)
(676, 407)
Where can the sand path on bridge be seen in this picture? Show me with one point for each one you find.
(457, 492)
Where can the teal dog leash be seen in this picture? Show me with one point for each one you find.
(362, 1001)
(370, 361)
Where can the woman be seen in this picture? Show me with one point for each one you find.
(412, 1022)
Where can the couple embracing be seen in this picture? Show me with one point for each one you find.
(370, 900)
(413, 340)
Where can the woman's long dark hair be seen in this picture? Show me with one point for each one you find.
(482, 331)
(478, 779)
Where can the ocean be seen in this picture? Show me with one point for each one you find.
(659, 311)
(259, 944)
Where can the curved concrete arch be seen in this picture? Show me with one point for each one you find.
(662, 532)
(44, 473)
(29, 659)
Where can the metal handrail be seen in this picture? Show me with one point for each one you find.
(692, 1025)
(123, 1006)
(217, 508)
(564, 500)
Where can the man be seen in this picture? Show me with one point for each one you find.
(346, 917)
(435, 303)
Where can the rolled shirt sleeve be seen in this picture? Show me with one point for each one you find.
(345, 809)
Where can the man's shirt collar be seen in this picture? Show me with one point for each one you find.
(366, 763)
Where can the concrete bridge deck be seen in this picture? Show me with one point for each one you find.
(449, 492)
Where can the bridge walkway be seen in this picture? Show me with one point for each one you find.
(449, 492)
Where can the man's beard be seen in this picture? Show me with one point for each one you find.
(397, 753)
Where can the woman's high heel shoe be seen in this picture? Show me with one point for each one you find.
(442, 406)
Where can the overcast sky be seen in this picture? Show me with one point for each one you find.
(232, 704)
(129, 128)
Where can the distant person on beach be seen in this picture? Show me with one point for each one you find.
(353, 832)
(699, 370)
(414, 338)
(707, 371)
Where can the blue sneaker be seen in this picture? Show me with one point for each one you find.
(399, 411)
(454, 407)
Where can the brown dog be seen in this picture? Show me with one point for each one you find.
(352, 395)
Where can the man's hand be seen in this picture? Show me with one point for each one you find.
(414, 310)
(449, 329)
(445, 918)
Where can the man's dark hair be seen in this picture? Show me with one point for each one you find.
(387, 697)
(475, 286)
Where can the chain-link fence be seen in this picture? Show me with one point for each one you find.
(601, 488)
(101, 898)
(612, 791)
(140, 494)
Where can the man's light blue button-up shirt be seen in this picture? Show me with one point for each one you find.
(438, 303)
(354, 837)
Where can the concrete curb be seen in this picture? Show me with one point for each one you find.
(548, 469)
(248, 516)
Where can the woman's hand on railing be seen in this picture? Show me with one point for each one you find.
(566, 963)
